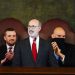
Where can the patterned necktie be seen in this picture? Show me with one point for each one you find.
(10, 49)
(34, 50)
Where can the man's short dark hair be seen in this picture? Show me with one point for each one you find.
(8, 29)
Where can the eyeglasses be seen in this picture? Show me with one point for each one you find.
(33, 26)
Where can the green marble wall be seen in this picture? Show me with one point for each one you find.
(24, 10)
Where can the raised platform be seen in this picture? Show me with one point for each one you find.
(33, 70)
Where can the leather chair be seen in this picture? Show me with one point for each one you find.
(13, 23)
(48, 27)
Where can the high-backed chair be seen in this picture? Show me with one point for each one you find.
(48, 28)
(13, 23)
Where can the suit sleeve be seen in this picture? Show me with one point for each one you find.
(52, 59)
(17, 56)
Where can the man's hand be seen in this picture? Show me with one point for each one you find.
(3, 60)
(57, 51)
(9, 55)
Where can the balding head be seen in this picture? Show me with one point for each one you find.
(58, 32)
(34, 22)
(34, 27)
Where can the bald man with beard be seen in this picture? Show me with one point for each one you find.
(24, 55)
(62, 50)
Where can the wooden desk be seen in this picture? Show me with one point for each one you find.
(27, 70)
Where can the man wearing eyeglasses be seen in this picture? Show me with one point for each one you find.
(34, 51)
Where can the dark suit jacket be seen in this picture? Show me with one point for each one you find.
(23, 55)
(69, 52)
(3, 50)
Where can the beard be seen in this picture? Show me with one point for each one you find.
(11, 42)
(32, 33)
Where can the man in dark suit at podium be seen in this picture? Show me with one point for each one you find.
(34, 51)
(64, 52)
(7, 49)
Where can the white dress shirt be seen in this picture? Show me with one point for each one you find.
(37, 42)
(9, 46)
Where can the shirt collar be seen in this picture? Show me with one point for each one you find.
(31, 39)
(9, 46)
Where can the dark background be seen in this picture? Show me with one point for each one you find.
(24, 10)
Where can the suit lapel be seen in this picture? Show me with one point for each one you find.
(29, 50)
(40, 49)
(3, 50)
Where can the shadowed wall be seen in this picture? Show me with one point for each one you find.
(49, 26)
(24, 10)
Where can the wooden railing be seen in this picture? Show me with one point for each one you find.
(33, 70)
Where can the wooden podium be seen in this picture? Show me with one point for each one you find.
(34, 70)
